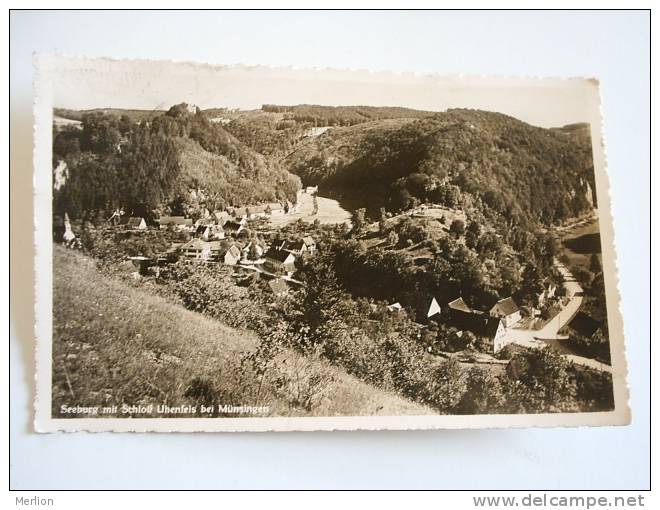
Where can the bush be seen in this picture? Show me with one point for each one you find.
(457, 227)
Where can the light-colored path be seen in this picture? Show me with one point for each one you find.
(549, 334)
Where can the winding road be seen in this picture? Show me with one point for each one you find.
(549, 334)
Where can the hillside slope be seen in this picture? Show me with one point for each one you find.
(113, 344)
(525, 172)
(149, 167)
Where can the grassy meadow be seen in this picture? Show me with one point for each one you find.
(118, 345)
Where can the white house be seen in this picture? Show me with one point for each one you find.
(507, 310)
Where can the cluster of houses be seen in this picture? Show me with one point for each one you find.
(489, 326)
(217, 238)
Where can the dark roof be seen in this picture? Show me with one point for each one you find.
(506, 306)
(279, 255)
(459, 304)
(584, 324)
(489, 327)
(130, 221)
(480, 324)
(293, 245)
(232, 225)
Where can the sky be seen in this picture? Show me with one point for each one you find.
(144, 84)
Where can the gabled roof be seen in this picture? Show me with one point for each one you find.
(434, 308)
(278, 255)
(506, 306)
(309, 240)
(479, 324)
(226, 246)
(201, 229)
(584, 324)
(459, 304)
(293, 245)
(232, 226)
(196, 244)
(489, 327)
(131, 221)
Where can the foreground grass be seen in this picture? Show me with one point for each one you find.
(117, 345)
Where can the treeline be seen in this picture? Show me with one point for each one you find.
(518, 171)
(267, 134)
(148, 167)
(134, 115)
(482, 270)
(318, 115)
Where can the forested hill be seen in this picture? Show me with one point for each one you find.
(522, 172)
(150, 165)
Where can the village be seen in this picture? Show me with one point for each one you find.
(228, 237)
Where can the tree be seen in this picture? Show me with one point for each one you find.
(540, 380)
(253, 252)
(483, 393)
(594, 264)
(392, 238)
(457, 227)
(359, 220)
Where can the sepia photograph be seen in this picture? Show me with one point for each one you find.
(230, 246)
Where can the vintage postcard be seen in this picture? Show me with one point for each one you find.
(255, 249)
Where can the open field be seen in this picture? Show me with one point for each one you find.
(114, 344)
(580, 242)
(329, 212)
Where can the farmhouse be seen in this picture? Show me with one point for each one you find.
(299, 247)
(492, 330)
(133, 222)
(197, 249)
(178, 223)
(280, 260)
(507, 310)
(310, 190)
